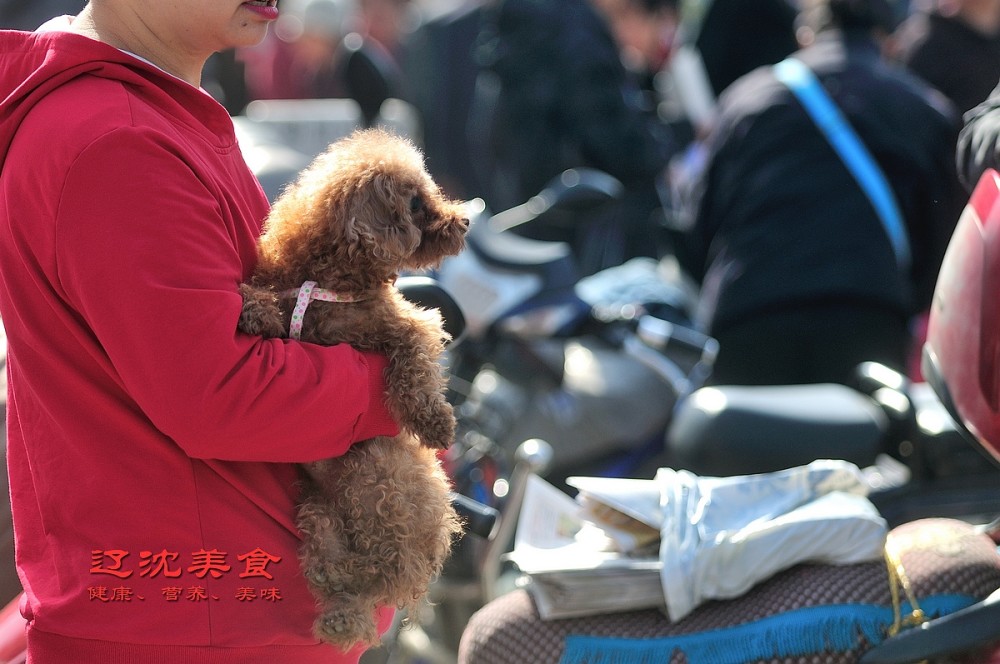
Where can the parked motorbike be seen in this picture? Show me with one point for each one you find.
(921, 466)
(899, 494)
(613, 382)
(550, 355)
(925, 450)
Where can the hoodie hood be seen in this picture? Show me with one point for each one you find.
(36, 63)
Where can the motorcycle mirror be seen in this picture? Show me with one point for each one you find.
(573, 190)
(428, 293)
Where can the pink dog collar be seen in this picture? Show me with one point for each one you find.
(305, 294)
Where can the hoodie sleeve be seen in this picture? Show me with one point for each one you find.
(148, 255)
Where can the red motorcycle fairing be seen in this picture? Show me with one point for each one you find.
(962, 353)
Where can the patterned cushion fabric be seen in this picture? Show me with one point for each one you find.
(810, 614)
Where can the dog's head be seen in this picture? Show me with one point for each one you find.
(369, 204)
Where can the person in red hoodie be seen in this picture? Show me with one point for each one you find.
(152, 447)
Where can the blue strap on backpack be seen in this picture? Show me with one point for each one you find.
(801, 81)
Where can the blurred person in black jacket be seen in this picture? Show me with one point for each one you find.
(734, 37)
(554, 92)
(439, 66)
(799, 279)
(955, 46)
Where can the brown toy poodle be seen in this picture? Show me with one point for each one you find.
(378, 522)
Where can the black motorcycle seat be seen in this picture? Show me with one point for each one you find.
(737, 430)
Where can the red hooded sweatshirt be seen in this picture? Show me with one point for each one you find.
(150, 445)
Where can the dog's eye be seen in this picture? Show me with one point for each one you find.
(416, 204)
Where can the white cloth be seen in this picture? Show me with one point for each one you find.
(722, 536)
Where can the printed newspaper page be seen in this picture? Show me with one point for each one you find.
(573, 566)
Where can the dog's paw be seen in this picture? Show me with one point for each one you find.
(260, 315)
(437, 427)
(346, 627)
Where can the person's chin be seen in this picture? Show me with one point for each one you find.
(248, 35)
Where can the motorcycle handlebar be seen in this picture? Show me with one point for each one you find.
(479, 519)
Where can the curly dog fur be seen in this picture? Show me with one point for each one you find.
(378, 522)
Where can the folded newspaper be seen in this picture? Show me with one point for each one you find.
(573, 565)
(679, 540)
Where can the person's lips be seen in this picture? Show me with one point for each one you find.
(266, 8)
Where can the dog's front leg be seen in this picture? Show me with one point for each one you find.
(415, 386)
(261, 314)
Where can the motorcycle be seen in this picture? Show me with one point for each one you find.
(916, 458)
(922, 466)
(510, 630)
(548, 354)
(612, 378)
(534, 329)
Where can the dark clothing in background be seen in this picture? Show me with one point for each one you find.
(225, 79)
(565, 100)
(29, 14)
(979, 141)
(363, 71)
(779, 222)
(960, 61)
(446, 43)
(737, 36)
(780, 348)
(358, 69)
(553, 94)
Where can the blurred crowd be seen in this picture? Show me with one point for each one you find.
(432, 52)
(674, 99)
(720, 170)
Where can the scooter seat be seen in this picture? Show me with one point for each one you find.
(511, 251)
(807, 613)
(737, 430)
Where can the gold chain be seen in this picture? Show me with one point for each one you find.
(898, 579)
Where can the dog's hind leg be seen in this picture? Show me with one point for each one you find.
(345, 617)
(378, 537)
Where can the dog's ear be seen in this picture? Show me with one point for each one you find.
(380, 221)
(357, 239)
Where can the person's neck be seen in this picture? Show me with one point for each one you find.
(130, 34)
